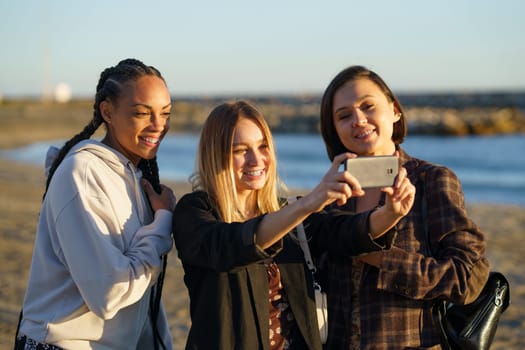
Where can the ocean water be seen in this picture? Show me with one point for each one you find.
(490, 168)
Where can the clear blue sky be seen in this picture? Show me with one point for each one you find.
(273, 46)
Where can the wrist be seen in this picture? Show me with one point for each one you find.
(381, 220)
(388, 214)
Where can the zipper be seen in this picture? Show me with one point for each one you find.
(497, 300)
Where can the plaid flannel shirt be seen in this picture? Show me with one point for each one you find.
(395, 300)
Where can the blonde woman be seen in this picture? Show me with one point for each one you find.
(247, 280)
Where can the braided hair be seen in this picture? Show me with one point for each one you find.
(109, 87)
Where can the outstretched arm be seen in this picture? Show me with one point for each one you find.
(337, 187)
(334, 186)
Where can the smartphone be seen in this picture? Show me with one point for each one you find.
(377, 171)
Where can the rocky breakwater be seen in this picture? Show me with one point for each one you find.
(465, 121)
(430, 114)
(480, 113)
(429, 121)
(427, 114)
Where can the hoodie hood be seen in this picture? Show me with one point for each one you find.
(117, 161)
(114, 159)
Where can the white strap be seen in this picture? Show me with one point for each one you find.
(301, 236)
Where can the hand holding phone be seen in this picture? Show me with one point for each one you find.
(375, 171)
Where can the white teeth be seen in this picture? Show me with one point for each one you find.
(366, 133)
(254, 173)
(151, 140)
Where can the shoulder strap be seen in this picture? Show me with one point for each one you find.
(301, 236)
(422, 172)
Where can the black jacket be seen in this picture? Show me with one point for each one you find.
(227, 280)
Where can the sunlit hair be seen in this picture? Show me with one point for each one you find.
(333, 143)
(215, 173)
(110, 87)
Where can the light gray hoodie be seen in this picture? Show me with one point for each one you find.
(96, 255)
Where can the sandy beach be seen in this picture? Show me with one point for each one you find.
(21, 188)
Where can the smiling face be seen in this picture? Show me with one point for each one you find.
(139, 119)
(364, 118)
(250, 157)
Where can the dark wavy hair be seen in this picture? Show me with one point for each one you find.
(333, 143)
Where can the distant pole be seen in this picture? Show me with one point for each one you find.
(47, 93)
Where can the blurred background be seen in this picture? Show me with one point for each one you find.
(458, 68)
(56, 47)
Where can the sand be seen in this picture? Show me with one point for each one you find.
(21, 188)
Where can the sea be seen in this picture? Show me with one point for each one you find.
(490, 168)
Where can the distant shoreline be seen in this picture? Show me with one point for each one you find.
(25, 120)
(449, 99)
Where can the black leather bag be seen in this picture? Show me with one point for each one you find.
(473, 326)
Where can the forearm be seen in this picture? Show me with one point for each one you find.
(274, 226)
(455, 279)
(381, 221)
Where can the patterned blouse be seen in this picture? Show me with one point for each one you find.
(281, 316)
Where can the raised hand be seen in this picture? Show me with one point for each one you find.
(400, 197)
(164, 200)
(335, 186)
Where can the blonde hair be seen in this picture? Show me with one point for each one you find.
(215, 173)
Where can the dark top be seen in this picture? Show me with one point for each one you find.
(227, 279)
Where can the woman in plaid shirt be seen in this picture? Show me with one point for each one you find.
(383, 300)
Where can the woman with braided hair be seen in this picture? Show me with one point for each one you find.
(103, 228)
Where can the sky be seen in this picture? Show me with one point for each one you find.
(234, 47)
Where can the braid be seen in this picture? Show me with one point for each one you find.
(109, 87)
(150, 171)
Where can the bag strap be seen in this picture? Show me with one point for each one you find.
(301, 236)
(424, 206)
